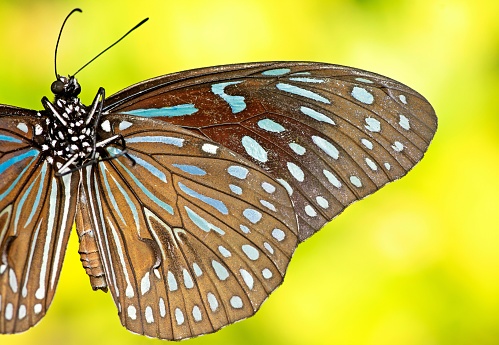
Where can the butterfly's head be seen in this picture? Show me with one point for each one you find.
(65, 87)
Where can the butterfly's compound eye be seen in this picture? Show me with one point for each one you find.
(57, 87)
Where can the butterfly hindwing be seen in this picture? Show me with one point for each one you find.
(36, 215)
(329, 134)
(191, 236)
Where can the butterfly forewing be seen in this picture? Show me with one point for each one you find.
(36, 214)
(329, 134)
(192, 236)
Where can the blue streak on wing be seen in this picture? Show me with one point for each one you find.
(9, 139)
(202, 223)
(23, 199)
(302, 92)
(219, 205)
(190, 169)
(179, 142)
(111, 195)
(146, 191)
(176, 110)
(276, 71)
(307, 80)
(146, 165)
(16, 159)
(236, 103)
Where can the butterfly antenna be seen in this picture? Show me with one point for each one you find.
(112, 45)
(59, 38)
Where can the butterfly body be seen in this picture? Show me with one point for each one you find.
(191, 191)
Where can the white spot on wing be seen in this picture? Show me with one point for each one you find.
(106, 126)
(145, 284)
(212, 301)
(179, 316)
(132, 312)
(209, 148)
(398, 146)
(149, 315)
(404, 122)
(162, 307)
(196, 313)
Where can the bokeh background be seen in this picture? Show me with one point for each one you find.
(415, 264)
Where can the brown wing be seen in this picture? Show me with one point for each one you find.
(36, 214)
(191, 236)
(329, 134)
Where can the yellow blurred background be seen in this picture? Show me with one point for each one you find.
(415, 264)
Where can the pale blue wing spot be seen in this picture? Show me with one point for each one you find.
(190, 169)
(364, 80)
(9, 139)
(307, 80)
(404, 122)
(367, 144)
(301, 73)
(219, 205)
(286, 185)
(373, 125)
(146, 191)
(326, 146)
(238, 171)
(296, 171)
(252, 215)
(236, 103)
(331, 178)
(202, 223)
(244, 229)
(276, 72)
(270, 126)
(316, 115)
(297, 148)
(362, 95)
(403, 99)
(23, 127)
(236, 189)
(269, 188)
(302, 92)
(176, 110)
(179, 142)
(124, 125)
(254, 149)
(355, 181)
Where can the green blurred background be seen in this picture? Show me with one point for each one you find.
(417, 263)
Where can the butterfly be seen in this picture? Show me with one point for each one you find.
(191, 191)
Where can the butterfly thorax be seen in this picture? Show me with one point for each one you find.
(70, 135)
